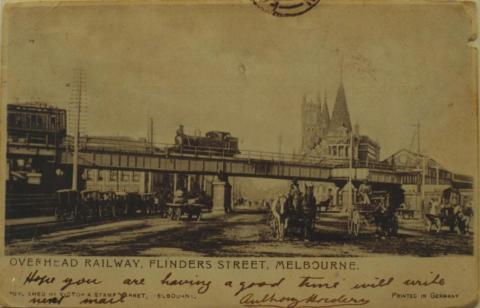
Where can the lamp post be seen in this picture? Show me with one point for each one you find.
(76, 134)
(349, 184)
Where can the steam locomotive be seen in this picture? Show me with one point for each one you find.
(216, 143)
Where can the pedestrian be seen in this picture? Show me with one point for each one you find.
(365, 190)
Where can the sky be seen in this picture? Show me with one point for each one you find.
(233, 67)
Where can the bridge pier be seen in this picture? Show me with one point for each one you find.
(222, 196)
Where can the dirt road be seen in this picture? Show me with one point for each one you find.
(238, 234)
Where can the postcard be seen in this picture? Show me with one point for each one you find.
(239, 153)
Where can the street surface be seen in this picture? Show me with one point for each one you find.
(243, 233)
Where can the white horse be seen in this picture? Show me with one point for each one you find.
(279, 209)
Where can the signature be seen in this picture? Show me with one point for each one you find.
(312, 301)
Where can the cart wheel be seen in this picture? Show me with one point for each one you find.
(356, 229)
(280, 231)
(276, 230)
(273, 228)
(355, 224)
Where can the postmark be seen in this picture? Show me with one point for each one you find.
(286, 8)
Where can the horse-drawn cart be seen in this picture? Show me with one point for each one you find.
(67, 205)
(449, 213)
(378, 212)
(176, 210)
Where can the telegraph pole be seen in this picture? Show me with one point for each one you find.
(349, 184)
(76, 109)
(418, 138)
(422, 188)
(151, 142)
(150, 133)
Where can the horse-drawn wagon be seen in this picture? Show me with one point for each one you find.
(378, 211)
(67, 204)
(177, 210)
(191, 205)
(451, 213)
(94, 204)
(90, 204)
(148, 203)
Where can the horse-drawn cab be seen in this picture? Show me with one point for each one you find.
(379, 210)
(451, 196)
(134, 203)
(67, 204)
(120, 203)
(148, 201)
(452, 213)
(107, 203)
(90, 203)
(191, 204)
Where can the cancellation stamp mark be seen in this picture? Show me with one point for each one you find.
(286, 8)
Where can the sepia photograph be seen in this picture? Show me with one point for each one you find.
(247, 129)
(239, 153)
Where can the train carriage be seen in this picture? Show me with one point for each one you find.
(36, 123)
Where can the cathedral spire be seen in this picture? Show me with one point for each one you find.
(341, 69)
(340, 114)
(326, 112)
(319, 113)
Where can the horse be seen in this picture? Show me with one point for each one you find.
(385, 220)
(446, 216)
(309, 209)
(463, 217)
(280, 210)
(302, 215)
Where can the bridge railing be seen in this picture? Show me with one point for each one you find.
(165, 149)
(367, 164)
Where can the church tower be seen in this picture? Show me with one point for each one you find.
(325, 117)
(311, 130)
